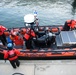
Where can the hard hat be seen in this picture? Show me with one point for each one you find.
(10, 46)
(35, 14)
(29, 18)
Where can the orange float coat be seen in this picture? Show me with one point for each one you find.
(2, 29)
(29, 34)
(17, 39)
(11, 55)
(71, 23)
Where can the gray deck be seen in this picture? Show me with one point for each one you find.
(68, 37)
(46, 67)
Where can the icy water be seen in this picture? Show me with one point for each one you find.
(50, 12)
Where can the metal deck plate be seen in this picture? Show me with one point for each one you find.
(59, 41)
(68, 37)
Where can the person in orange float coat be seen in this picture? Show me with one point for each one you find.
(28, 38)
(12, 55)
(69, 24)
(17, 39)
(2, 35)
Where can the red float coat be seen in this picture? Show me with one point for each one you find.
(11, 54)
(17, 40)
(29, 34)
(2, 29)
(71, 23)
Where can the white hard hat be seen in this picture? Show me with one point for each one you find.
(29, 18)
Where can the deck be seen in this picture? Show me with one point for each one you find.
(39, 67)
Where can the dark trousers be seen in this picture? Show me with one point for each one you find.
(28, 44)
(15, 63)
(3, 39)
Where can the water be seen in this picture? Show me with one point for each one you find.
(50, 12)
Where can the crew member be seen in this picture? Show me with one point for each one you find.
(12, 55)
(69, 25)
(36, 18)
(28, 37)
(17, 39)
(2, 35)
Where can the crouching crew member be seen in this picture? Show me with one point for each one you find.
(2, 35)
(69, 25)
(17, 40)
(28, 37)
(12, 55)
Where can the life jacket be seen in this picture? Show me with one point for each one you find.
(2, 29)
(71, 23)
(1, 32)
(29, 34)
(26, 36)
(33, 33)
(17, 40)
(12, 55)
